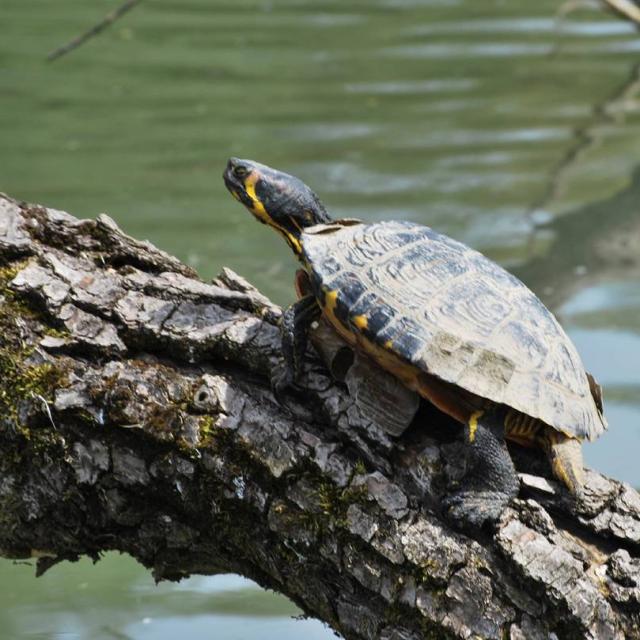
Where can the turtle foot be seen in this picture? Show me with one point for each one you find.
(491, 480)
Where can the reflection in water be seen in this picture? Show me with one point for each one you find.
(412, 86)
(589, 277)
(446, 112)
(117, 599)
(595, 247)
(589, 135)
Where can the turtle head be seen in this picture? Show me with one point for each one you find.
(275, 198)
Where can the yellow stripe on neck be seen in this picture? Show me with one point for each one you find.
(257, 206)
(260, 212)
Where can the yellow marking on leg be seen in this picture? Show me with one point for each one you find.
(511, 422)
(388, 344)
(533, 427)
(473, 424)
(521, 428)
(360, 321)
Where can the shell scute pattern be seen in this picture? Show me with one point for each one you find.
(407, 337)
(472, 309)
(379, 315)
(447, 349)
(331, 265)
(453, 313)
(381, 244)
(496, 369)
(506, 281)
(561, 369)
(433, 269)
(351, 288)
(528, 387)
(517, 334)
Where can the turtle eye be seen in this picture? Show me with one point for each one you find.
(240, 171)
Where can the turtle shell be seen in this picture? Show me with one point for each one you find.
(447, 310)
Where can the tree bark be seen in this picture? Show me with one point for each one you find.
(136, 414)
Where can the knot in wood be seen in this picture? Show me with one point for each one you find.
(211, 394)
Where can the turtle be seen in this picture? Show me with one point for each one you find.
(448, 322)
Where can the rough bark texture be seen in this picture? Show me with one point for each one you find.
(136, 414)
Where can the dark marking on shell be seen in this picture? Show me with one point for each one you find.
(452, 312)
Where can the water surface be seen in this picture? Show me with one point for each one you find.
(488, 120)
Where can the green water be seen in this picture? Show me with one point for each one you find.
(449, 112)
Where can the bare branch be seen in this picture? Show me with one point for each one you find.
(586, 137)
(107, 21)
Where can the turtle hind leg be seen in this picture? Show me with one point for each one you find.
(565, 457)
(491, 480)
(294, 331)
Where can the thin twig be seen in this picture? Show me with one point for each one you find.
(586, 137)
(108, 20)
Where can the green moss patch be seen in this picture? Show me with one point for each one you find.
(21, 382)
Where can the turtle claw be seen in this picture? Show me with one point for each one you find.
(473, 509)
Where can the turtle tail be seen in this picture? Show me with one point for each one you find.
(565, 456)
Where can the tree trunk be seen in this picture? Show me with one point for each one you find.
(136, 414)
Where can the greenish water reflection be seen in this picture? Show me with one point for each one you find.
(115, 600)
(447, 112)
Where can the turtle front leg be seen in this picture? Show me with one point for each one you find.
(294, 330)
(491, 480)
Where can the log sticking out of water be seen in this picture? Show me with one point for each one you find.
(137, 415)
